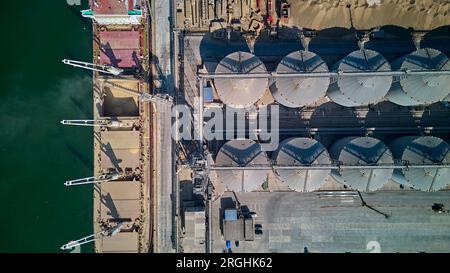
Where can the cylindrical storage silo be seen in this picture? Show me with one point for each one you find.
(240, 92)
(300, 91)
(361, 151)
(421, 89)
(241, 153)
(353, 91)
(422, 150)
(302, 152)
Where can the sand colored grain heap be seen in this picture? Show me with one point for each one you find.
(320, 14)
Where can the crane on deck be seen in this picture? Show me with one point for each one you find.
(110, 177)
(94, 123)
(91, 238)
(94, 67)
(144, 97)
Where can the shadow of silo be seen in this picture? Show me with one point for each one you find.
(392, 42)
(332, 115)
(388, 114)
(333, 44)
(436, 115)
(214, 46)
(438, 38)
(291, 123)
(271, 49)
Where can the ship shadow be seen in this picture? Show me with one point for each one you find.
(108, 202)
(109, 53)
(81, 72)
(87, 111)
(87, 162)
(77, 13)
(109, 152)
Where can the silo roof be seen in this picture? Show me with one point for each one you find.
(301, 91)
(302, 152)
(424, 150)
(426, 88)
(240, 93)
(362, 90)
(241, 153)
(362, 151)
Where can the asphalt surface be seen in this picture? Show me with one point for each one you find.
(163, 59)
(292, 221)
(164, 181)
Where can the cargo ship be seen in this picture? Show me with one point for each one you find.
(121, 40)
(122, 144)
(132, 181)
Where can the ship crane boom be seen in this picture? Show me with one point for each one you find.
(94, 67)
(93, 180)
(82, 241)
(91, 238)
(93, 123)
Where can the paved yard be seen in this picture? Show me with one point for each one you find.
(292, 221)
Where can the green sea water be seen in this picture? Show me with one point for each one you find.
(37, 153)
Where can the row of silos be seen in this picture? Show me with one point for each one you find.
(349, 91)
(363, 152)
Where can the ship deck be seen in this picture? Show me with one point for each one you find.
(120, 48)
(107, 7)
(126, 149)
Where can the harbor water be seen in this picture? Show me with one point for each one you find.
(37, 153)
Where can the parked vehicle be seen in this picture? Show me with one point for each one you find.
(258, 229)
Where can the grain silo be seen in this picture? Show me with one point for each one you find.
(361, 151)
(300, 91)
(420, 89)
(241, 153)
(422, 150)
(240, 92)
(353, 91)
(302, 152)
